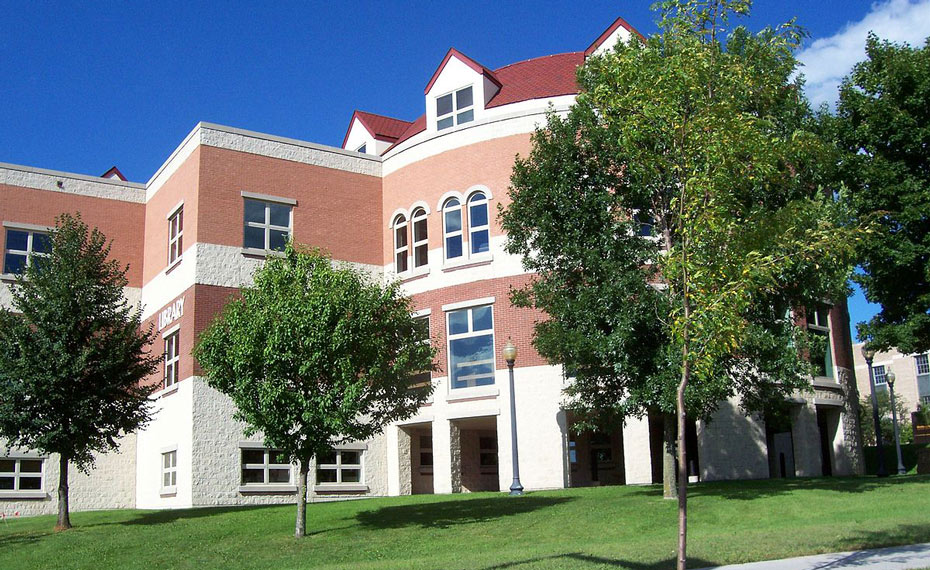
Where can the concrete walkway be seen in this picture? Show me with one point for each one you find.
(914, 556)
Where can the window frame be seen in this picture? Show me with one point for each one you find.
(460, 233)
(31, 230)
(266, 466)
(922, 361)
(170, 470)
(172, 338)
(472, 229)
(456, 111)
(488, 451)
(338, 467)
(266, 225)
(17, 492)
(426, 448)
(879, 376)
(175, 234)
(471, 333)
(417, 217)
(812, 317)
(400, 227)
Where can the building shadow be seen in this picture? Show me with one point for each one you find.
(581, 560)
(452, 513)
(172, 515)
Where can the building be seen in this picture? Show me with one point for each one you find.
(407, 200)
(912, 375)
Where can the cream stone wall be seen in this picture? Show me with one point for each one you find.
(732, 445)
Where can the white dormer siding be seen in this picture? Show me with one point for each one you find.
(454, 76)
(619, 31)
(360, 139)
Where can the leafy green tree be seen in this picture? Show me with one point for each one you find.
(701, 132)
(883, 122)
(314, 355)
(883, 397)
(73, 355)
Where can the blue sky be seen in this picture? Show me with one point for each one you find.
(91, 85)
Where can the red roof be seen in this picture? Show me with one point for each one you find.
(382, 128)
(113, 173)
(467, 61)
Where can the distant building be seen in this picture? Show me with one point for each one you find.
(912, 375)
(412, 200)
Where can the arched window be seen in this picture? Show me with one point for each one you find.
(420, 240)
(400, 243)
(478, 229)
(452, 228)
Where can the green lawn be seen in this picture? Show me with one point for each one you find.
(606, 527)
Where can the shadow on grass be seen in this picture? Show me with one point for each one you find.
(907, 535)
(581, 560)
(172, 515)
(451, 513)
(749, 490)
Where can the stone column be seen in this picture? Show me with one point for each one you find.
(637, 459)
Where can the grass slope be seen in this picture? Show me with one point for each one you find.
(606, 527)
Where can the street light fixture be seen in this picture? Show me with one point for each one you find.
(890, 377)
(869, 354)
(510, 355)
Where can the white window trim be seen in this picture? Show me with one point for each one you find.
(400, 222)
(361, 486)
(170, 489)
(418, 214)
(471, 333)
(173, 360)
(31, 230)
(460, 233)
(269, 198)
(267, 226)
(468, 304)
(176, 242)
(16, 493)
(454, 114)
(472, 229)
(264, 487)
(875, 375)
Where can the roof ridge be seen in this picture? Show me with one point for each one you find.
(538, 57)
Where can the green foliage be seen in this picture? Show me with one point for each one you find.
(867, 423)
(883, 124)
(314, 355)
(73, 355)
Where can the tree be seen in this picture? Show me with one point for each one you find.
(315, 355)
(74, 355)
(884, 412)
(700, 133)
(883, 123)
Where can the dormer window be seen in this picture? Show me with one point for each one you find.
(362, 149)
(455, 108)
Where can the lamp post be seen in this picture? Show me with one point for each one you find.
(869, 354)
(894, 418)
(510, 355)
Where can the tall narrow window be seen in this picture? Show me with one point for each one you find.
(923, 377)
(175, 235)
(400, 243)
(420, 239)
(818, 323)
(172, 357)
(452, 228)
(422, 379)
(267, 225)
(471, 347)
(478, 234)
(880, 376)
(24, 247)
(169, 471)
(455, 108)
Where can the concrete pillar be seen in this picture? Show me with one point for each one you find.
(637, 459)
(403, 462)
(732, 445)
(806, 437)
(442, 456)
(455, 458)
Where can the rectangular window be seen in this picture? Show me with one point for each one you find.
(455, 108)
(175, 235)
(267, 225)
(922, 362)
(172, 358)
(471, 347)
(169, 470)
(21, 474)
(24, 247)
(420, 239)
(818, 323)
(878, 373)
(339, 466)
(487, 454)
(423, 379)
(263, 466)
(426, 454)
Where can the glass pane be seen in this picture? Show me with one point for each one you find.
(327, 458)
(254, 237)
(41, 243)
(488, 459)
(253, 476)
(453, 247)
(14, 263)
(420, 256)
(487, 442)
(30, 483)
(278, 457)
(481, 318)
(458, 322)
(443, 105)
(472, 361)
(6, 483)
(419, 230)
(180, 220)
(280, 215)
(351, 475)
(426, 442)
(279, 475)
(453, 221)
(166, 480)
(463, 98)
(426, 459)
(278, 239)
(254, 211)
(351, 457)
(166, 460)
(253, 455)
(7, 465)
(401, 262)
(174, 478)
(325, 475)
(422, 327)
(444, 123)
(479, 241)
(400, 237)
(466, 117)
(16, 239)
(479, 214)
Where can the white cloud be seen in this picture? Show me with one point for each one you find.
(827, 60)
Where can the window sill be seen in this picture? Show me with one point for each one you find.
(166, 391)
(472, 393)
(268, 489)
(263, 253)
(169, 492)
(8, 277)
(414, 273)
(826, 382)
(23, 495)
(475, 261)
(340, 488)
(173, 265)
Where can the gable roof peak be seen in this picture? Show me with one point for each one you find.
(477, 67)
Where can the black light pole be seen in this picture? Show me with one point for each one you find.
(510, 355)
(894, 418)
(869, 354)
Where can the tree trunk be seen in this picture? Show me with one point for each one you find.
(300, 529)
(669, 481)
(64, 516)
(682, 467)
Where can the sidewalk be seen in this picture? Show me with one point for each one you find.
(914, 556)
